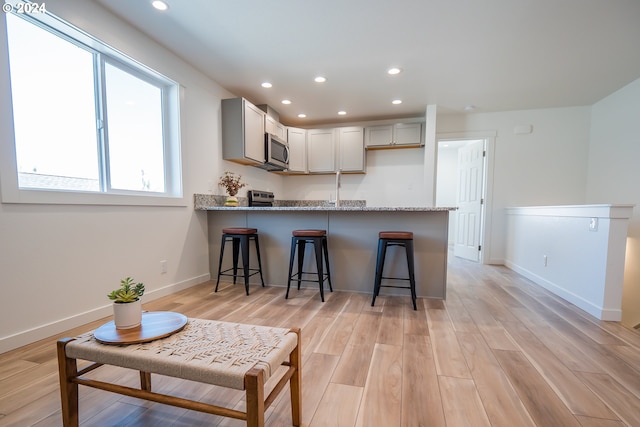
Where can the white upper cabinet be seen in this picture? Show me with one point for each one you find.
(394, 136)
(321, 150)
(242, 132)
(336, 148)
(407, 134)
(272, 123)
(297, 150)
(274, 127)
(379, 136)
(351, 153)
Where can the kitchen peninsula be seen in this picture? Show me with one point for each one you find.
(352, 232)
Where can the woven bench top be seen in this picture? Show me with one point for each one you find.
(208, 351)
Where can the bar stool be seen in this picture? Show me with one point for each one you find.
(319, 240)
(240, 237)
(395, 238)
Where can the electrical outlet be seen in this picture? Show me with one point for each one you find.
(163, 267)
(544, 260)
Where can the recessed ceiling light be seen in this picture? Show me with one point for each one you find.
(396, 101)
(469, 108)
(286, 102)
(320, 79)
(342, 113)
(266, 85)
(160, 5)
(302, 115)
(394, 71)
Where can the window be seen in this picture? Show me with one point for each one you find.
(86, 118)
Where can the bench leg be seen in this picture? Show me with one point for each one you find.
(145, 381)
(67, 368)
(295, 384)
(254, 385)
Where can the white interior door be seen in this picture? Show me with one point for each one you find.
(469, 201)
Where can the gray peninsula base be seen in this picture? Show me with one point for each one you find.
(352, 239)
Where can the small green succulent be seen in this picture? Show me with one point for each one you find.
(128, 292)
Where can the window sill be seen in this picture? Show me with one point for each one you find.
(82, 198)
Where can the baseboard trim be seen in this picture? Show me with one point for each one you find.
(47, 330)
(588, 306)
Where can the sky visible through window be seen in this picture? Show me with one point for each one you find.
(135, 132)
(55, 117)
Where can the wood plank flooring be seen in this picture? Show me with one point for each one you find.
(500, 351)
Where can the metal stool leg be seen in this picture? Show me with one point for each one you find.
(236, 252)
(244, 243)
(255, 239)
(412, 278)
(302, 243)
(326, 260)
(382, 252)
(291, 257)
(220, 262)
(317, 247)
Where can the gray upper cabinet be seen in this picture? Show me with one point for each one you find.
(321, 151)
(394, 136)
(351, 154)
(242, 132)
(297, 150)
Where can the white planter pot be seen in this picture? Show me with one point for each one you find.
(127, 315)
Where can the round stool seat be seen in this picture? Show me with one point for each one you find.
(402, 235)
(239, 230)
(309, 233)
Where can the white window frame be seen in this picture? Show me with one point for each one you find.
(173, 94)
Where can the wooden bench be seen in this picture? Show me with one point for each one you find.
(225, 354)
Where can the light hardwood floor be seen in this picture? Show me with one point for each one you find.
(500, 351)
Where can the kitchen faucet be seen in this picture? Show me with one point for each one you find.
(338, 188)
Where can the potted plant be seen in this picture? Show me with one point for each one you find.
(127, 307)
(231, 182)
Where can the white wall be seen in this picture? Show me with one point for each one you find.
(394, 178)
(447, 182)
(545, 167)
(614, 177)
(58, 262)
(559, 249)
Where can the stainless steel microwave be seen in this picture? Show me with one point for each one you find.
(276, 153)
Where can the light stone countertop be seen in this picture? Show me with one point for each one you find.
(208, 202)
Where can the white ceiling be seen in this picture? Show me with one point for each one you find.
(494, 54)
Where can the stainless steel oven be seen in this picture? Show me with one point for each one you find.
(259, 198)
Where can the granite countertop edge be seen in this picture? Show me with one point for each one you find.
(327, 209)
(209, 202)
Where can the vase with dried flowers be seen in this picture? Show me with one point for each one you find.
(231, 182)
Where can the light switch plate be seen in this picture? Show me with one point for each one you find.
(593, 224)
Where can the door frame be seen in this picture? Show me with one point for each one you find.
(487, 207)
